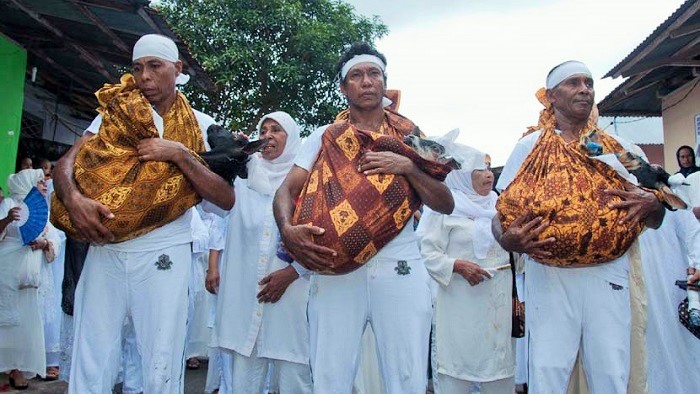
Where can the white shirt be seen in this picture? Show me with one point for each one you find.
(179, 230)
(472, 323)
(616, 271)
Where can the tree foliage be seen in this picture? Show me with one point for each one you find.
(268, 55)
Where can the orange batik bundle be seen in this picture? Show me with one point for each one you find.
(561, 184)
(360, 213)
(141, 195)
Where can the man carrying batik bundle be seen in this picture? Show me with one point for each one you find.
(145, 276)
(577, 261)
(389, 290)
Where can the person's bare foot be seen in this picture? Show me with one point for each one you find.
(51, 373)
(192, 363)
(17, 380)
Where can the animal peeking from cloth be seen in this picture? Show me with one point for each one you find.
(650, 176)
(229, 152)
(430, 150)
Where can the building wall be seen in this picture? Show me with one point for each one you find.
(13, 62)
(654, 152)
(679, 121)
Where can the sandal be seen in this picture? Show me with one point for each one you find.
(51, 374)
(15, 377)
(193, 363)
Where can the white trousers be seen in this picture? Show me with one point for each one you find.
(64, 363)
(400, 311)
(132, 375)
(151, 287)
(452, 385)
(571, 308)
(219, 370)
(249, 374)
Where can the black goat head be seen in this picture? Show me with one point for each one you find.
(229, 152)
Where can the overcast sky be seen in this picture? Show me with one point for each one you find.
(476, 64)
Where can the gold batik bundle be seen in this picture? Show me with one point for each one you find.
(360, 213)
(141, 195)
(561, 184)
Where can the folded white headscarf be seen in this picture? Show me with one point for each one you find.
(265, 176)
(566, 70)
(19, 184)
(161, 47)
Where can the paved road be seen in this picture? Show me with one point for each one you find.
(194, 384)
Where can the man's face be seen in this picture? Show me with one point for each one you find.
(573, 97)
(276, 139)
(685, 158)
(364, 86)
(155, 78)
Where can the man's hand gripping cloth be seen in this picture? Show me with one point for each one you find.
(142, 195)
(561, 184)
(360, 213)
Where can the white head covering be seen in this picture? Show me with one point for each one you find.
(160, 47)
(19, 184)
(566, 70)
(265, 176)
(357, 59)
(468, 203)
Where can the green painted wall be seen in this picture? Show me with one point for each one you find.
(13, 63)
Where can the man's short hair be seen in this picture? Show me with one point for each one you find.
(357, 48)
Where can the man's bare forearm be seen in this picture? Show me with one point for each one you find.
(282, 206)
(283, 203)
(433, 193)
(497, 229)
(207, 184)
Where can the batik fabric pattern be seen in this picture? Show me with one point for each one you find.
(561, 184)
(142, 195)
(360, 213)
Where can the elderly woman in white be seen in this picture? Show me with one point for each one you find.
(473, 306)
(21, 328)
(261, 306)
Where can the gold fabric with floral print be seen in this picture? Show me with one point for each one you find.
(360, 213)
(142, 195)
(561, 184)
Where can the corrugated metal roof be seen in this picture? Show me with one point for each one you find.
(78, 45)
(650, 39)
(668, 59)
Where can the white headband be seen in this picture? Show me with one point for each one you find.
(161, 47)
(566, 70)
(364, 58)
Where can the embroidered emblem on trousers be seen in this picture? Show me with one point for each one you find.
(164, 262)
(402, 268)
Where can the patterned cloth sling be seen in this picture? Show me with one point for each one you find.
(142, 195)
(360, 213)
(561, 184)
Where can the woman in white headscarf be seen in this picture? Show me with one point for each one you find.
(21, 327)
(473, 305)
(261, 306)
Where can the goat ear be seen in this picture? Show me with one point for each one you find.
(416, 131)
(254, 146)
